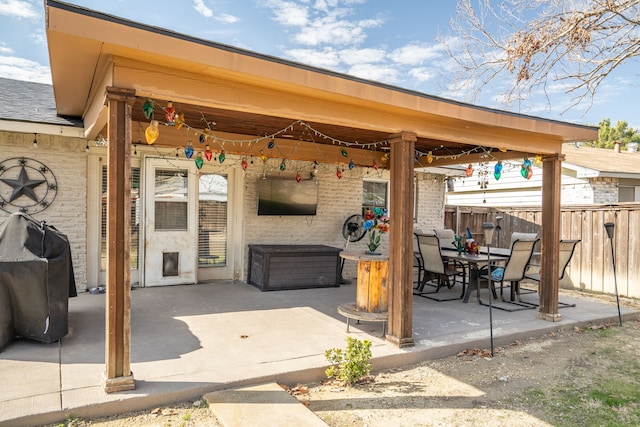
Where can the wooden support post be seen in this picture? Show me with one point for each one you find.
(401, 240)
(117, 374)
(549, 260)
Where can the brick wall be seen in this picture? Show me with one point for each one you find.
(577, 193)
(337, 200)
(430, 201)
(66, 158)
(605, 190)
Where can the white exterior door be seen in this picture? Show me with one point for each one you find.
(170, 222)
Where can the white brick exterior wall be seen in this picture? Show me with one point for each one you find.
(66, 158)
(430, 201)
(577, 193)
(605, 190)
(337, 200)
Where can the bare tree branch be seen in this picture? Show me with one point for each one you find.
(539, 44)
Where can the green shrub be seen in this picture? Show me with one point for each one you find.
(352, 364)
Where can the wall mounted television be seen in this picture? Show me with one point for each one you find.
(287, 197)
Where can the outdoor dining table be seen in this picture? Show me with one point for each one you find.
(476, 262)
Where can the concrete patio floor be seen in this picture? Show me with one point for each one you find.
(193, 339)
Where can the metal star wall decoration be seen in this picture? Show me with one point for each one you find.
(23, 188)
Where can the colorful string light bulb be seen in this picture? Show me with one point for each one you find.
(199, 161)
(188, 151)
(152, 132)
(170, 114)
(147, 109)
(497, 170)
(208, 153)
(469, 170)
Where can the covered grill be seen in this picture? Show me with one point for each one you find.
(36, 280)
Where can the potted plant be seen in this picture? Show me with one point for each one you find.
(376, 223)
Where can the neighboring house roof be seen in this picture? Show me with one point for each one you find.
(31, 102)
(601, 162)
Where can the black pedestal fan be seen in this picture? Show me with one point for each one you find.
(352, 231)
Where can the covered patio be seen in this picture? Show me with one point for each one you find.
(190, 340)
(108, 70)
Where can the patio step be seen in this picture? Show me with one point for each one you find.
(261, 405)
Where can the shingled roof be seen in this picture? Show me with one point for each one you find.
(31, 102)
(601, 161)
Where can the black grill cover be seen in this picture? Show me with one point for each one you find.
(36, 280)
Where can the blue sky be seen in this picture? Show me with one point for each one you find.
(392, 41)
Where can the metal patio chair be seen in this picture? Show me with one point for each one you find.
(567, 248)
(513, 272)
(434, 265)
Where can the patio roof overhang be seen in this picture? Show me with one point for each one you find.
(104, 68)
(251, 96)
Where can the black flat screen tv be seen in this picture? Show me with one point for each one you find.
(287, 197)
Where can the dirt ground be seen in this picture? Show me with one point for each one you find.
(552, 380)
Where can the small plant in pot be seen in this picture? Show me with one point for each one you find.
(376, 223)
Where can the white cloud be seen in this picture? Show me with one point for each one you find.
(39, 37)
(24, 69)
(323, 23)
(226, 18)
(326, 31)
(375, 72)
(18, 9)
(422, 74)
(288, 13)
(415, 54)
(362, 56)
(202, 8)
(328, 58)
(5, 50)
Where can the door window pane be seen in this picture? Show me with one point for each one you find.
(171, 200)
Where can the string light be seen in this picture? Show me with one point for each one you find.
(469, 170)
(148, 108)
(152, 132)
(176, 119)
(188, 151)
(35, 140)
(526, 171)
(497, 170)
(170, 114)
(199, 161)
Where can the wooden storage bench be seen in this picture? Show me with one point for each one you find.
(280, 267)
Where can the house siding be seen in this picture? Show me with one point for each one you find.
(66, 158)
(513, 190)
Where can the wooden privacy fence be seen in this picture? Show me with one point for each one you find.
(591, 267)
